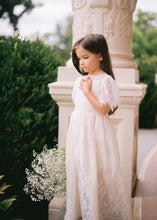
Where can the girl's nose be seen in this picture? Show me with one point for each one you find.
(81, 61)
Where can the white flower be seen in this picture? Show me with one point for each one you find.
(47, 175)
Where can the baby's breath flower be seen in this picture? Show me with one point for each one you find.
(47, 175)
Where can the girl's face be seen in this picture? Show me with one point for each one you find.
(88, 61)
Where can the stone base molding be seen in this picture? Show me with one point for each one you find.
(57, 208)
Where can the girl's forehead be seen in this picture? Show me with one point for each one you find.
(82, 51)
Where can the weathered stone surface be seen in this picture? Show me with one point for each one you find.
(57, 208)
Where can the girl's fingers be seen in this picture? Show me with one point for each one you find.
(85, 83)
(87, 79)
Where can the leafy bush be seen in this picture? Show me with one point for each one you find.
(144, 49)
(28, 115)
(148, 106)
(5, 203)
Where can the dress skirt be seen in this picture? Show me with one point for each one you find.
(95, 185)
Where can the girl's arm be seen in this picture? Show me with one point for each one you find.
(85, 86)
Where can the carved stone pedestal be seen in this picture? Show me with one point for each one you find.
(57, 208)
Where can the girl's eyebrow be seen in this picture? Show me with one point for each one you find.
(82, 55)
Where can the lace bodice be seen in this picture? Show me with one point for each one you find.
(103, 87)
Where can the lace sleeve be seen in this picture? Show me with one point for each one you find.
(109, 92)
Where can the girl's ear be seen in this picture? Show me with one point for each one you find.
(100, 57)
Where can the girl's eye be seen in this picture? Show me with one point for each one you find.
(84, 58)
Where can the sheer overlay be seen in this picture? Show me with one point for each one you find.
(95, 186)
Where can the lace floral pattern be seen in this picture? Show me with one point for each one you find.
(85, 205)
(95, 186)
(109, 92)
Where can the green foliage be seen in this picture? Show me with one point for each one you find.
(64, 41)
(63, 38)
(145, 20)
(145, 51)
(7, 9)
(28, 115)
(5, 203)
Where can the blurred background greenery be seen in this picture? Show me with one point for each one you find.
(145, 55)
(29, 116)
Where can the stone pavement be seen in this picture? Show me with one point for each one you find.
(145, 201)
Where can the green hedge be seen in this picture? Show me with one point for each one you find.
(148, 107)
(145, 55)
(28, 115)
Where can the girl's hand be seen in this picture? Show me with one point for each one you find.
(86, 85)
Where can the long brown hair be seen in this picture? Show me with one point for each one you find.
(95, 43)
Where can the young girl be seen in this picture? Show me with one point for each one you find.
(95, 188)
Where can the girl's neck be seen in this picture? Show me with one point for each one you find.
(100, 72)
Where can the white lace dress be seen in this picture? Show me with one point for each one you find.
(95, 188)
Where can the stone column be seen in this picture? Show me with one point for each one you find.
(113, 19)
